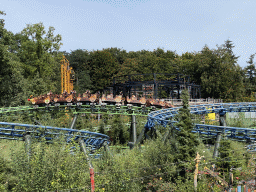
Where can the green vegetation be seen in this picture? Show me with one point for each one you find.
(29, 63)
(156, 166)
(185, 142)
(239, 120)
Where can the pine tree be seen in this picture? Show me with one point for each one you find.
(186, 141)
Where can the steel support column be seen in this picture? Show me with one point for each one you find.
(73, 122)
(140, 136)
(134, 131)
(27, 138)
(107, 149)
(83, 147)
(222, 120)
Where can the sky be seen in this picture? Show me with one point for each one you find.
(133, 25)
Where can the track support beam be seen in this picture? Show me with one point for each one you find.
(140, 136)
(27, 138)
(217, 145)
(83, 147)
(222, 121)
(73, 122)
(134, 131)
(107, 149)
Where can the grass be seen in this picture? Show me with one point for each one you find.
(240, 120)
(8, 147)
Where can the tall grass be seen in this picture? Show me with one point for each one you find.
(53, 167)
(239, 120)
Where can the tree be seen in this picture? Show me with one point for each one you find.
(11, 79)
(228, 46)
(102, 66)
(250, 76)
(78, 59)
(119, 133)
(38, 51)
(118, 53)
(232, 158)
(220, 76)
(185, 141)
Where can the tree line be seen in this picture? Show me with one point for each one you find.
(30, 65)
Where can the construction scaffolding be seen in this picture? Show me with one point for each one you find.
(67, 76)
(155, 85)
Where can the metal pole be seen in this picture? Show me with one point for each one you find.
(28, 145)
(155, 87)
(83, 147)
(217, 144)
(222, 120)
(134, 128)
(197, 160)
(106, 148)
(73, 122)
(140, 136)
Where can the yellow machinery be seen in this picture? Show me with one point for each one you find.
(67, 76)
(211, 116)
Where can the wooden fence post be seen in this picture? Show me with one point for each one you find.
(197, 159)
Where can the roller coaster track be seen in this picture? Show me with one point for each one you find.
(164, 117)
(94, 141)
(16, 131)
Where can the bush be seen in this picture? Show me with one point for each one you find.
(50, 167)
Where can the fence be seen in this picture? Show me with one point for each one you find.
(178, 102)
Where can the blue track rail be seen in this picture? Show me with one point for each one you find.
(164, 117)
(16, 131)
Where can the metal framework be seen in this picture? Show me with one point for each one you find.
(164, 117)
(160, 117)
(67, 76)
(155, 85)
(16, 131)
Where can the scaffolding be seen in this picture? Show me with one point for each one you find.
(155, 85)
(67, 76)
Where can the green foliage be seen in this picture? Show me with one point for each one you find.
(119, 133)
(36, 48)
(6, 175)
(240, 120)
(230, 152)
(185, 141)
(49, 169)
(151, 167)
(29, 63)
(221, 77)
(102, 128)
(102, 67)
(78, 60)
(232, 158)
